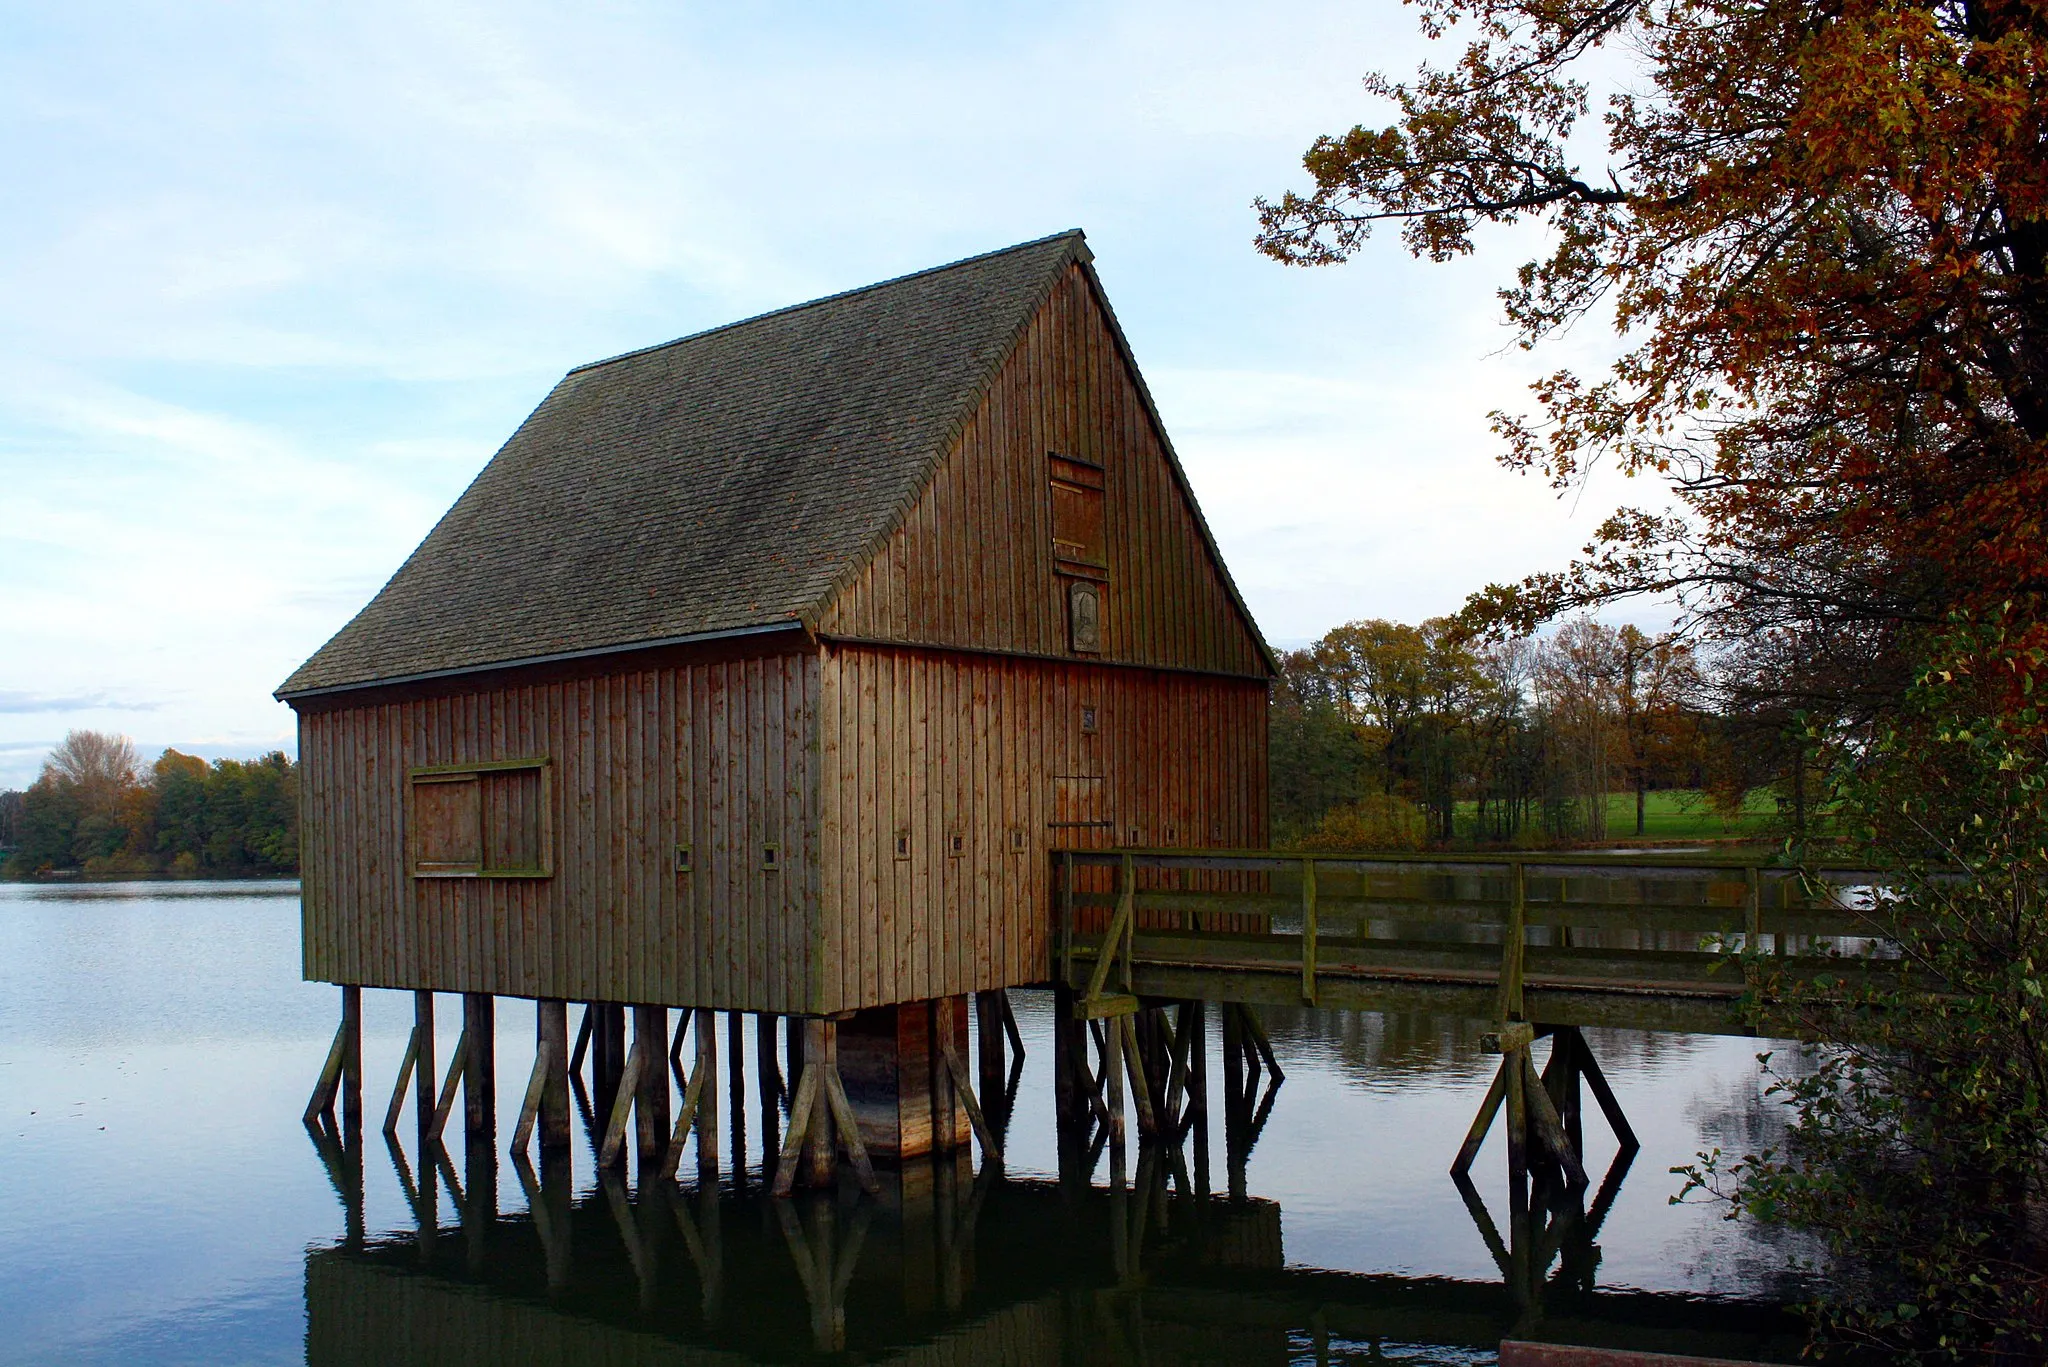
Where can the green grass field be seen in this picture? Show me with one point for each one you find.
(1682, 814)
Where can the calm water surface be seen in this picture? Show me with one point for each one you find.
(161, 1202)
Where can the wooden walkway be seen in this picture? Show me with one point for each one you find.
(1568, 940)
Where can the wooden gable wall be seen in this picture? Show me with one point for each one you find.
(718, 756)
(972, 564)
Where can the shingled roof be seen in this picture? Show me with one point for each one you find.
(713, 484)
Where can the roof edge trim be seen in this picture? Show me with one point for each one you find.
(526, 661)
(825, 299)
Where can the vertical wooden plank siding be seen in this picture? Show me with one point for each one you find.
(719, 757)
(972, 563)
(994, 733)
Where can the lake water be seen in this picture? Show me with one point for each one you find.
(160, 1200)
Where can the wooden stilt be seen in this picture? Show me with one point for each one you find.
(706, 1029)
(1516, 1090)
(736, 1091)
(988, 1043)
(939, 1078)
(479, 1078)
(965, 1092)
(1257, 1031)
(1010, 1023)
(821, 1163)
(614, 1148)
(322, 1100)
(650, 1100)
(803, 1107)
(551, 1033)
(457, 1064)
(423, 1074)
(1496, 1091)
(1545, 1125)
(583, 1033)
(1113, 1070)
(529, 1106)
(352, 1064)
(1141, 1093)
(849, 1129)
(1198, 1094)
(1604, 1094)
(405, 1067)
(767, 1066)
(693, 1096)
(1069, 1060)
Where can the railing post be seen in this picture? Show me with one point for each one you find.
(1753, 912)
(1308, 931)
(1513, 942)
(1130, 915)
(1066, 911)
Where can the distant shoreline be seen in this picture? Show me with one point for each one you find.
(80, 876)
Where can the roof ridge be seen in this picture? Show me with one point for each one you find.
(829, 299)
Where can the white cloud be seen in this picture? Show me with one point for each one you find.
(276, 280)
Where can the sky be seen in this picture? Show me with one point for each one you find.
(275, 282)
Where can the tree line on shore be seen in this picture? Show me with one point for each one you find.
(98, 810)
(1390, 735)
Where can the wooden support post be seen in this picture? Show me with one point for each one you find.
(352, 1065)
(821, 1156)
(1113, 1073)
(1514, 943)
(1010, 1024)
(405, 1067)
(793, 1057)
(613, 1151)
(583, 1033)
(988, 1043)
(1518, 1115)
(1256, 1030)
(945, 1107)
(1198, 1092)
(1496, 1091)
(458, 1065)
(1134, 1063)
(706, 1030)
(849, 1129)
(1069, 1059)
(322, 1101)
(962, 1088)
(480, 1074)
(650, 1102)
(686, 1119)
(1546, 1127)
(736, 1091)
(803, 1107)
(1604, 1095)
(609, 1060)
(768, 1067)
(423, 1074)
(1308, 931)
(551, 1033)
(529, 1105)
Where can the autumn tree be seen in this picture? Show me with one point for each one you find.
(1819, 230)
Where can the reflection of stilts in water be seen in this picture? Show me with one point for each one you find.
(823, 1265)
(1547, 1182)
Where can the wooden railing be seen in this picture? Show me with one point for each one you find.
(1655, 942)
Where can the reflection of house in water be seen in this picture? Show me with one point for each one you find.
(964, 1272)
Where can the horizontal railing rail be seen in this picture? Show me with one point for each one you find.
(1599, 938)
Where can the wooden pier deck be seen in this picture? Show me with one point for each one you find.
(1576, 939)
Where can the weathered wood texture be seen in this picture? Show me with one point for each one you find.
(867, 808)
(923, 749)
(972, 564)
(718, 757)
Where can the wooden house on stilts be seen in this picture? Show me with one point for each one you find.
(760, 672)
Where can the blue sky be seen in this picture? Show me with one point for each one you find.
(276, 281)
